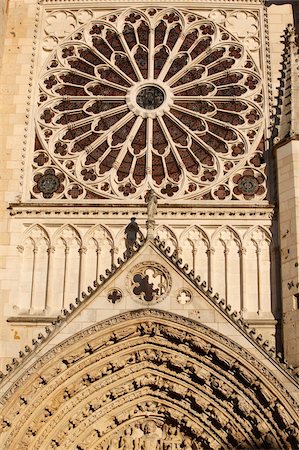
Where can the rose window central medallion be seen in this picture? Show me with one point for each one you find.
(149, 98)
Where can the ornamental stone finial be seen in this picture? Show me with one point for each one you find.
(152, 201)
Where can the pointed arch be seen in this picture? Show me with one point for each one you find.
(167, 235)
(61, 233)
(36, 232)
(218, 234)
(200, 230)
(147, 372)
(253, 232)
(34, 270)
(227, 265)
(104, 233)
(257, 241)
(67, 267)
(195, 245)
(99, 245)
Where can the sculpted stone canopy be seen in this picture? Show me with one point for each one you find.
(148, 380)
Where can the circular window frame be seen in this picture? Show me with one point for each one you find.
(141, 268)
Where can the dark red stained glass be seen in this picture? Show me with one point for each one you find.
(173, 36)
(178, 135)
(233, 78)
(141, 58)
(71, 117)
(189, 40)
(123, 63)
(202, 46)
(176, 66)
(173, 169)
(227, 134)
(113, 77)
(122, 134)
(158, 173)
(99, 106)
(231, 91)
(232, 105)
(213, 56)
(125, 167)
(189, 161)
(143, 34)
(139, 141)
(160, 33)
(96, 154)
(202, 154)
(191, 122)
(129, 35)
(108, 161)
(159, 60)
(69, 90)
(102, 47)
(194, 74)
(73, 133)
(89, 56)
(159, 140)
(221, 66)
(81, 65)
(139, 170)
(201, 90)
(104, 90)
(67, 105)
(214, 143)
(233, 119)
(114, 41)
(80, 145)
(73, 78)
(106, 122)
(199, 106)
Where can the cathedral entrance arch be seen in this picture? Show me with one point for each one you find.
(148, 379)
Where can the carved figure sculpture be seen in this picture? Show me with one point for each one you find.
(152, 201)
(131, 232)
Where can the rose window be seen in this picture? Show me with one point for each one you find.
(150, 99)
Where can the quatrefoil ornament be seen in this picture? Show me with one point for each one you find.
(149, 283)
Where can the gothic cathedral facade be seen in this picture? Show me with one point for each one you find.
(149, 239)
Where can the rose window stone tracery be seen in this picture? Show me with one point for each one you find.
(149, 283)
(159, 99)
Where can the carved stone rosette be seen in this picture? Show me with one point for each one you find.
(149, 283)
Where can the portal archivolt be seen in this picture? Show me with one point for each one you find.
(148, 380)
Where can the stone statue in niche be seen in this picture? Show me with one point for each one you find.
(131, 232)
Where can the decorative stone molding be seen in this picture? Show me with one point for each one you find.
(126, 209)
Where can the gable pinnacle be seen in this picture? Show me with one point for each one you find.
(152, 201)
